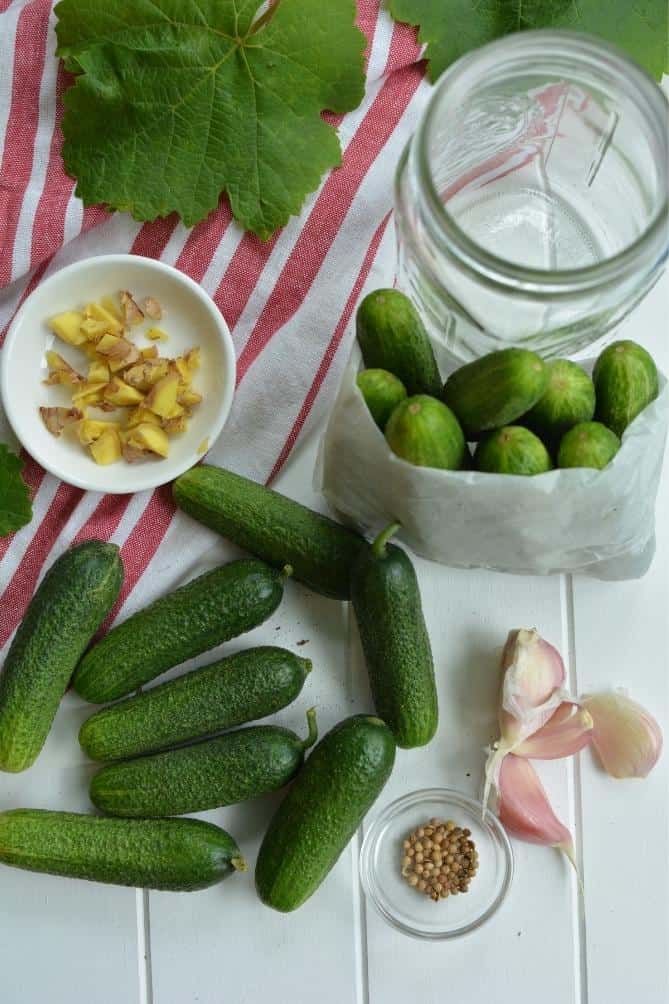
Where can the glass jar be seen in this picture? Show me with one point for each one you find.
(531, 203)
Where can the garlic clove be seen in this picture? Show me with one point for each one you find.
(565, 733)
(524, 809)
(626, 737)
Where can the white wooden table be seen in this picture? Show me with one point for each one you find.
(79, 943)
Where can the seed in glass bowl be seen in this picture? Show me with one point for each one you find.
(439, 859)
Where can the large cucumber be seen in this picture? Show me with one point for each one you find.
(176, 854)
(282, 532)
(626, 382)
(244, 687)
(322, 810)
(71, 603)
(211, 609)
(392, 337)
(496, 389)
(232, 768)
(387, 605)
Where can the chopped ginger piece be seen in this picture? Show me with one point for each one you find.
(175, 426)
(67, 326)
(150, 352)
(100, 313)
(121, 394)
(60, 371)
(192, 358)
(94, 329)
(99, 371)
(132, 454)
(184, 371)
(55, 419)
(145, 375)
(189, 398)
(111, 306)
(162, 397)
(203, 447)
(132, 315)
(106, 449)
(87, 389)
(156, 335)
(152, 308)
(120, 354)
(91, 429)
(141, 414)
(149, 437)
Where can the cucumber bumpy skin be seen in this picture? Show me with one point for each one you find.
(224, 771)
(282, 532)
(626, 381)
(322, 810)
(207, 611)
(180, 855)
(392, 337)
(71, 603)
(241, 688)
(387, 604)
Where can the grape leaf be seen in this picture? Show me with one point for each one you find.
(453, 27)
(15, 506)
(177, 100)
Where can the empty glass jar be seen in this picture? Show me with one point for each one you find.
(531, 204)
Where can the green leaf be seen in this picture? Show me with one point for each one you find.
(15, 506)
(177, 100)
(453, 27)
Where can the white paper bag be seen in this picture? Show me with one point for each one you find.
(600, 523)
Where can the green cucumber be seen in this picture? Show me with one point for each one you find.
(512, 449)
(626, 382)
(568, 399)
(392, 337)
(174, 854)
(326, 803)
(495, 390)
(387, 605)
(382, 391)
(424, 432)
(241, 688)
(589, 444)
(207, 611)
(69, 606)
(223, 771)
(282, 532)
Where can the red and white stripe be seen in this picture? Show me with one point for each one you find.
(288, 301)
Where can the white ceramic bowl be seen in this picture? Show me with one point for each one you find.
(190, 318)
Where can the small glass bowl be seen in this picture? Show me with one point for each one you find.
(413, 912)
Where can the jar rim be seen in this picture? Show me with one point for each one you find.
(652, 244)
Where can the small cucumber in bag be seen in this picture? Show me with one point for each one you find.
(392, 337)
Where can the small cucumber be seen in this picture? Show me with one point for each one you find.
(392, 337)
(211, 609)
(71, 603)
(241, 688)
(495, 390)
(387, 605)
(512, 449)
(382, 391)
(589, 444)
(568, 399)
(324, 806)
(282, 532)
(626, 382)
(223, 771)
(424, 432)
(174, 854)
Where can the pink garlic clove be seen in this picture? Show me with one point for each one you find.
(565, 733)
(626, 737)
(524, 809)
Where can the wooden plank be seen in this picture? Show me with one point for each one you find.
(621, 638)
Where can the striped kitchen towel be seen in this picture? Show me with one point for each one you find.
(288, 302)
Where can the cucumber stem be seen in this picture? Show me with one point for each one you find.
(287, 571)
(307, 665)
(239, 864)
(313, 729)
(379, 545)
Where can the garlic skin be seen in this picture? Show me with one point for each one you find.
(533, 677)
(565, 733)
(524, 809)
(626, 738)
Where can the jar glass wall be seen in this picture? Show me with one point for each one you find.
(531, 204)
